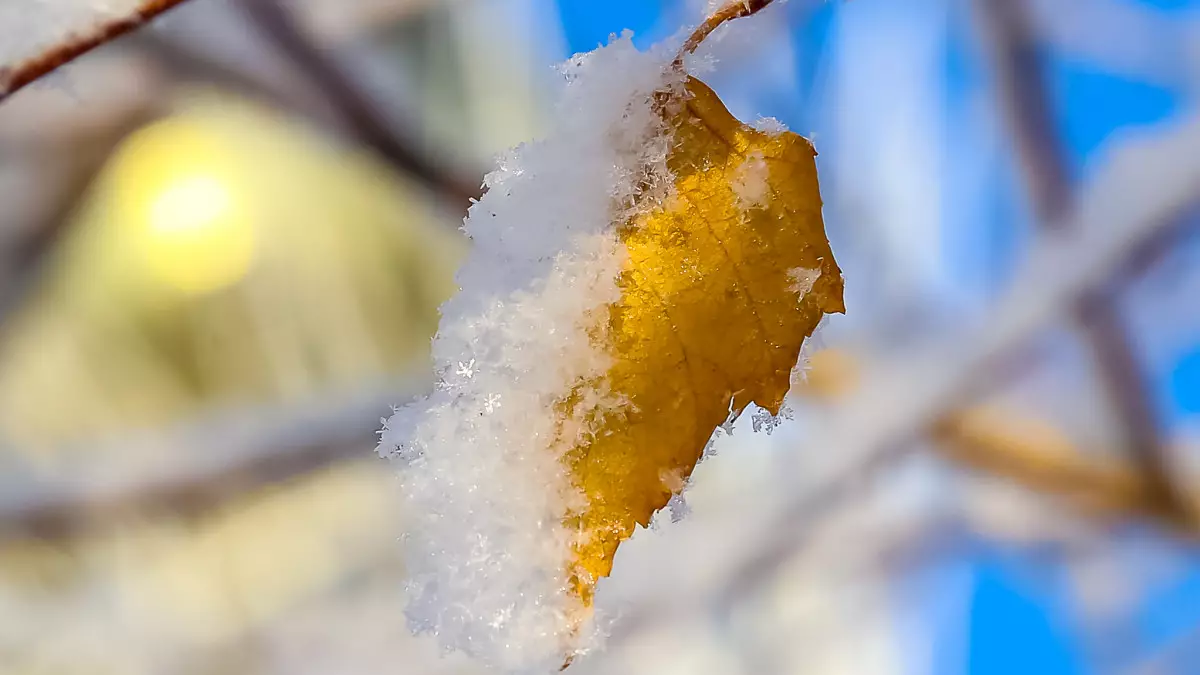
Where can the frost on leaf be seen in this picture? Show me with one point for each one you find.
(803, 280)
(620, 302)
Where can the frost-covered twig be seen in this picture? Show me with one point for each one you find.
(1025, 101)
(40, 38)
(1038, 460)
(1027, 452)
(733, 9)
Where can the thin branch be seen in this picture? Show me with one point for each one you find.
(15, 77)
(1024, 99)
(354, 106)
(735, 9)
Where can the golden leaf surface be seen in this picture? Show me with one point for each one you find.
(725, 279)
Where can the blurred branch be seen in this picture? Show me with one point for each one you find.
(189, 64)
(1132, 39)
(23, 260)
(1178, 655)
(202, 465)
(1036, 457)
(1028, 452)
(353, 105)
(1024, 99)
(15, 77)
(71, 513)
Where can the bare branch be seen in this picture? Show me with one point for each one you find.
(734, 9)
(205, 462)
(1023, 98)
(354, 106)
(14, 77)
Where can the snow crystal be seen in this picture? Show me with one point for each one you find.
(487, 553)
(749, 182)
(769, 125)
(762, 420)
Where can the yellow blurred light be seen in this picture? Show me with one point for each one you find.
(185, 208)
(191, 231)
(194, 241)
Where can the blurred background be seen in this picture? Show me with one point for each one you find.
(224, 239)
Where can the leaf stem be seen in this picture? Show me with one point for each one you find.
(734, 10)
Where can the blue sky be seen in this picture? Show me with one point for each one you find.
(1022, 617)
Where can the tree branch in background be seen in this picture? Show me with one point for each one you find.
(1024, 99)
(27, 256)
(1030, 453)
(1171, 657)
(214, 459)
(17, 76)
(358, 112)
(1036, 456)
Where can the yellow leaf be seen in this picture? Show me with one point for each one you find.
(725, 279)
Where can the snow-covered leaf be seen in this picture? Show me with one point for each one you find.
(710, 316)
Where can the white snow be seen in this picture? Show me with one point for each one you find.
(29, 28)
(750, 185)
(479, 456)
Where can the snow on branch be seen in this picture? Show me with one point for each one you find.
(41, 36)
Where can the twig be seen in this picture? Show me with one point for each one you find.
(15, 77)
(735, 9)
(355, 108)
(1031, 454)
(1024, 99)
